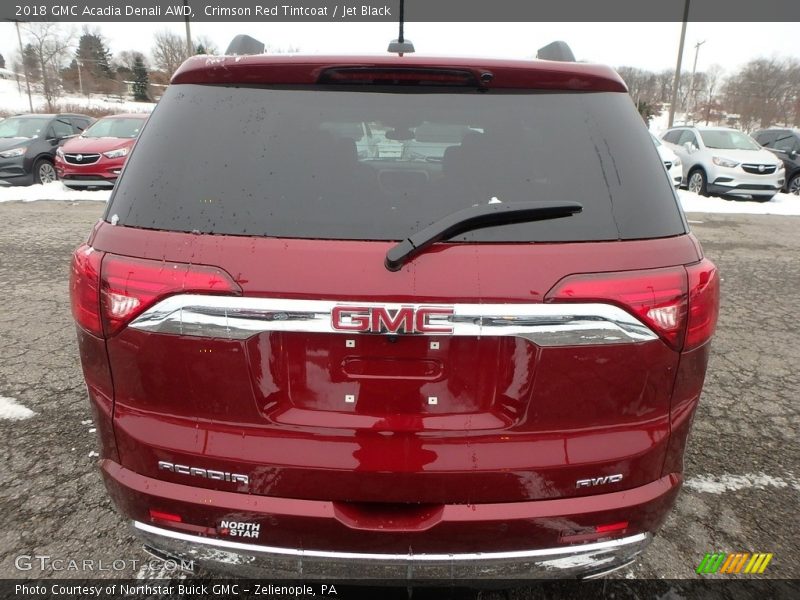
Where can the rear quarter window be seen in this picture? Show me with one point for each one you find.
(298, 163)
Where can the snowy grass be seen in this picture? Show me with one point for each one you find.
(15, 100)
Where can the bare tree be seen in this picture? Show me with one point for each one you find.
(125, 61)
(765, 92)
(708, 104)
(169, 51)
(50, 45)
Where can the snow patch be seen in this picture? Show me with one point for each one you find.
(719, 484)
(49, 191)
(11, 410)
(781, 204)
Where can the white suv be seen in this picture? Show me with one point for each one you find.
(671, 162)
(724, 161)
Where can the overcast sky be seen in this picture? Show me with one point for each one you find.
(646, 45)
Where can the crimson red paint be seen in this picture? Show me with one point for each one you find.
(299, 386)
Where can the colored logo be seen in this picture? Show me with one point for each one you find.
(734, 563)
(378, 319)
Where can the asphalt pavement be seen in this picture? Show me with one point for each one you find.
(743, 461)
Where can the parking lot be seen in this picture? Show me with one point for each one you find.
(742, 481)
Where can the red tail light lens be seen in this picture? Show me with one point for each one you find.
(658, 297)
(84, 289)
(160, 515)
(611, 527)
(129, 286)
(703, 303)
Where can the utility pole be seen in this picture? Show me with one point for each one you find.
(80, 79)
(692, 94)
(676, 82)
(24, 66)
(189, 46)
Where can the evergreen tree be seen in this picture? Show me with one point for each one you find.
(647, 109)
(31, 63)
(94, 55)
(140, 80)
(2, 62)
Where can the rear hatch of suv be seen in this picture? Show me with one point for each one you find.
(252, 327)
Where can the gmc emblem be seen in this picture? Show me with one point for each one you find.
(406, 319)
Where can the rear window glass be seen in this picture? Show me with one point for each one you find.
(382, 164)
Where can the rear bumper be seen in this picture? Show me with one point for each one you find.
(312, 538)
(250, 560)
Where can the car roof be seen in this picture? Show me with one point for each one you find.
(34, 115)
(126, 116)
(794, 130)
(51, 115)
(704, 128)
(306, 69)
(708, 128)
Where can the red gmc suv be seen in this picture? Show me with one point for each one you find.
(309, 359)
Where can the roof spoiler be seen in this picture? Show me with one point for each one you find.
(244, 44)
(559, 51)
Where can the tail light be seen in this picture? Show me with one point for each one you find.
(106, 299)
(84, 289)
(703, 303)
(680, 304)
(129, 286)
(658, 297)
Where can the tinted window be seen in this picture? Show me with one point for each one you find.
(786, 142)
(256, 161)
(62, 128)
(688, 136)
(79, 124)
(672, 136)
(766, 138)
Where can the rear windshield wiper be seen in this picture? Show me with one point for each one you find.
(476, 217)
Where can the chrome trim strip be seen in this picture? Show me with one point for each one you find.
(237, 318)
(356, 556)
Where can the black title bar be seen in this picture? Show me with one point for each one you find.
(88, 11)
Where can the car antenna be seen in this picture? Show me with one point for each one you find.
(401, 45)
